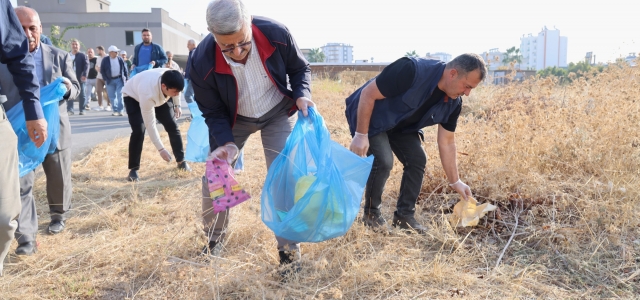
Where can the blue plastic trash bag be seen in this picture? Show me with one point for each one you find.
(314, 187)
(139, 69)
(30, 157)
(197, 136)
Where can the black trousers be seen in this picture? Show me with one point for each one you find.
(166, 116)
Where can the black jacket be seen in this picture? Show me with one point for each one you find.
(216, 89)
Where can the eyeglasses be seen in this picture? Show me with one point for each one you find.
(230, 49)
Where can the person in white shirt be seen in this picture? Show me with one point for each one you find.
(114, 72)
(171, 64)
(148, 96)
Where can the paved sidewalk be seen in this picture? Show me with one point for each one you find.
(100, 126)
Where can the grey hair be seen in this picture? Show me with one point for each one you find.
(23, 10)
(168, 52)
(191, 41)
(468, 62)
(226, 17)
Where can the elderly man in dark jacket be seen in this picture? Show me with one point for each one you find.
(81, 66)
(239, 76)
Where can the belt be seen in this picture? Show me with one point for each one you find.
(116, 77)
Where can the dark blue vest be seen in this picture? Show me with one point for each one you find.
(388, 112)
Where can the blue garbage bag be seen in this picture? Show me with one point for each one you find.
(139, 69)
(197, 136)
(314, 187)
(30, 157)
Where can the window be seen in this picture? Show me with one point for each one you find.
(133, 38)
(100, 6)
(61, 1)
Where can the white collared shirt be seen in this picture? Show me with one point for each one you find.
(146, 88)
(257, 94)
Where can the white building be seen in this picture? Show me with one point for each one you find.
(445, 57)
(493, 58)
(547, 49)
(337, 53)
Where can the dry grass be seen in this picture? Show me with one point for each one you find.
(563, 160)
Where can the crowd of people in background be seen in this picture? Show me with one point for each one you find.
(29, 61)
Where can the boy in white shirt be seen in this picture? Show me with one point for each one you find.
(148, 96)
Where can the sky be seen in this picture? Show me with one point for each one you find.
(386, 30)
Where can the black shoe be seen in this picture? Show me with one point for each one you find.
(408, 223)
(56, 226)
(133, 176)
(289, 263)
(375, 223)
(212, 249)
(28, 248)
(184, 166)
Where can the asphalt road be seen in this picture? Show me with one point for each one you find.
(100, 126)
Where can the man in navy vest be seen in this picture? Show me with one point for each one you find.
(386, 116)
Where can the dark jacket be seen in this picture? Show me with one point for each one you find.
(14, 52)
(82, 65)
(388, 112)
(216, 89)
(105, 69)
(157, 54)
(187, 68)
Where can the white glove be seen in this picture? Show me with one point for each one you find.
(360, 144)
(165, 154)
(462, 189)
(228, 152)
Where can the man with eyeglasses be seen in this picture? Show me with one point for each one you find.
(386, 116)
(239, 76)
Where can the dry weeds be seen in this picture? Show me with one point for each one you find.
(561, 161)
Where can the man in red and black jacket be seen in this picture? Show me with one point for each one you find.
(239, 75)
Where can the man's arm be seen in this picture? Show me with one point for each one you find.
(214, 110)
(134, 60)
(448, 153)
(368, 97)
(104, 68)
(162, 57)
(68, 73)
(85, 71)
(14, 53)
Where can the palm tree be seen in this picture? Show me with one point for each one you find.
(411, 54)
(316, 55)
(512, 55)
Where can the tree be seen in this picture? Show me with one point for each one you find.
(512, 55)
(411, 54)
(57, 37)
(316, 55)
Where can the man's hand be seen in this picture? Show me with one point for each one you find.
(228, 152)
(165, 155)
(153, 63)
(37, 130)
(133, 67)
(83, 78)
(178, 111)
(360, 144)
(303, 103)
(462, 189)
(67, 83)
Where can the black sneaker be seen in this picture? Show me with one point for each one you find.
(212, 249)
(289, 263)
(375, 223)
(184, 166)
(56, 226)
(27, 248)
(408, 223)
(133, 176)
